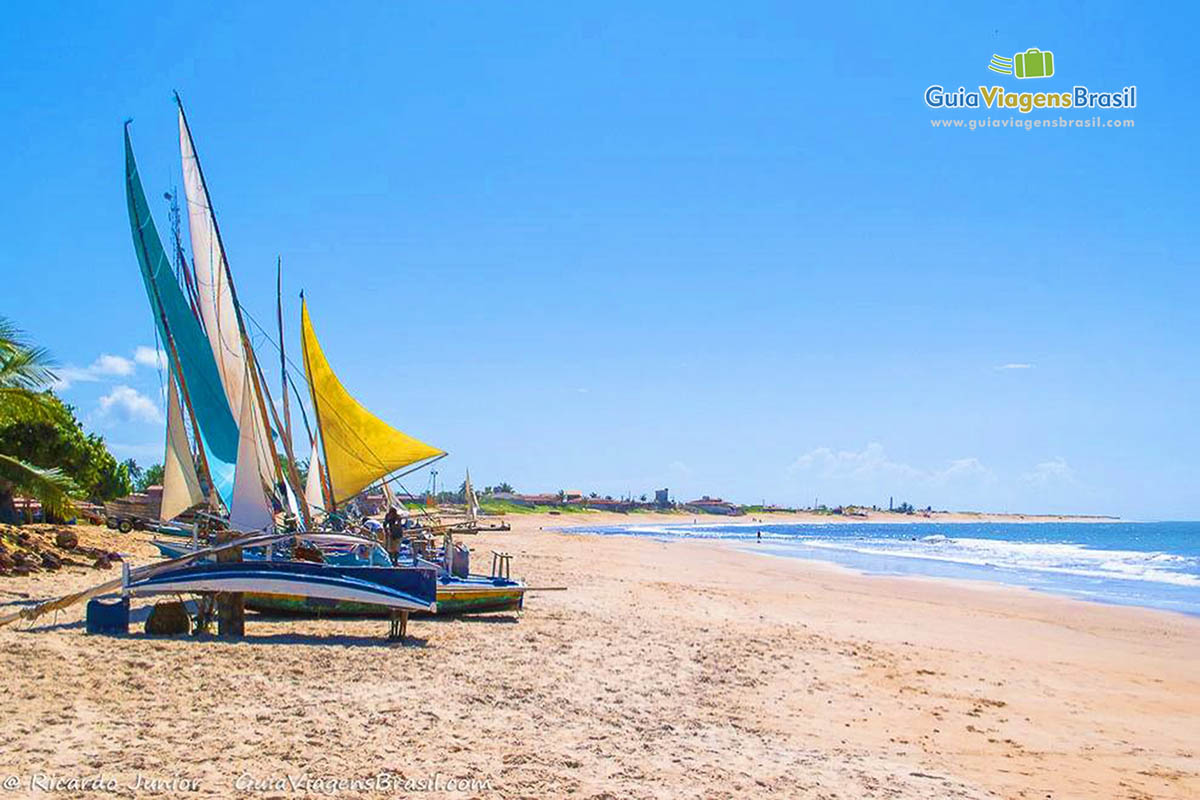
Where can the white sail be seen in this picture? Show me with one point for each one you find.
(312, 488)
(215, 292)
(472, 501)
(293, 503)
(181, 486)
(251, 509)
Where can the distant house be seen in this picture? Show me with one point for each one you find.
(527, 500)
(713, 505)
(371, 504)
(608, 504)
(662, 498)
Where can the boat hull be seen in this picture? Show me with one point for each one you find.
(383, 588)
(475, 594)
(471, 596)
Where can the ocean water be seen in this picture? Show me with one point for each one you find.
(1152, 564)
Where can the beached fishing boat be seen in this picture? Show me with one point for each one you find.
(214, 375)
(456, 594)
(312, 585)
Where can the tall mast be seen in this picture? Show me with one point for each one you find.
(326, 482)
(237, 306)
(287, 412)
(177, 367)
(286, 428)
(293, 473)
(182, 270)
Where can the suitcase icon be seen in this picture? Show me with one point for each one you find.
(1034, 63)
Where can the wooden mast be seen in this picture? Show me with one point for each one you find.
(326, 481)
(162, 315)
(287, 411)
(286, 429)
(301, 501)
(248, 351)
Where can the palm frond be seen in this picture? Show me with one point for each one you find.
(10, 335)
(50, 487)
(25, 372)
(24, 367)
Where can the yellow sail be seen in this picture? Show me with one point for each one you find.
(359, 447)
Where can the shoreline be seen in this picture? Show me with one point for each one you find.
(1113, 590)
(811, 518)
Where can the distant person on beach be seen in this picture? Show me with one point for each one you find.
(760, 536)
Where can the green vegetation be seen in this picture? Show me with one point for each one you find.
(143, 479)
(44, 452)
(489, 506)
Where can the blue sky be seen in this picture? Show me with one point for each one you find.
(605, 246)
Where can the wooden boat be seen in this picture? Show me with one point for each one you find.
(383, 588)
(470, 594)
(474, 595)
(217, 383)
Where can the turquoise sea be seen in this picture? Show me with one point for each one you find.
(1152, 564)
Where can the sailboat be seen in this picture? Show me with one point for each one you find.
(472, 522)
(218, 385)
(357, 450)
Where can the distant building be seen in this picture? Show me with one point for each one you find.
(528, 500)
(713, 505)
(607, 504)
(662, 498)
(372, 503)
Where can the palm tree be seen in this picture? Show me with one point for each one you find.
(26, 372)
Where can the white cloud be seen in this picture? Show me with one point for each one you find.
(1015, 365)
(872, 463)
(1055, 472)
(108, 366)
(105, 366)
(126, 404)
(150, 357)
(962, 469)
(847, 464)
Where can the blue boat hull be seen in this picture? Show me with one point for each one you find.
(473, 594)
(401, 588)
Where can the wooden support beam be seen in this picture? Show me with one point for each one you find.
(231, 606)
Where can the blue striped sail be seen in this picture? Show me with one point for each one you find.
(215, 424)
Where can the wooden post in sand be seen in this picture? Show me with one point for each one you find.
(399, 625)
(231, 609)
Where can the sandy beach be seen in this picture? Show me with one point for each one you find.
(681, 669)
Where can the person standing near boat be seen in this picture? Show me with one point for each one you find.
(391, 531)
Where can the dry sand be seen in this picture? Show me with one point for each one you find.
(682, 669)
